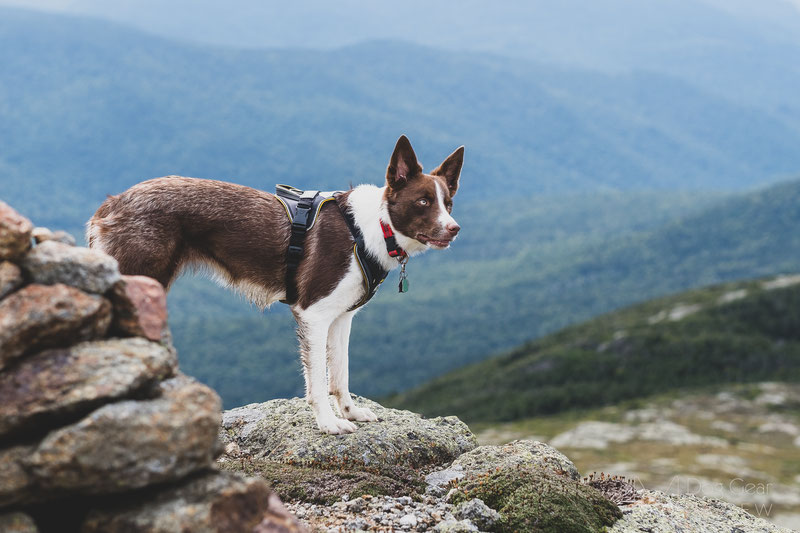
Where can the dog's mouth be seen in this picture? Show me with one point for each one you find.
(435, 243)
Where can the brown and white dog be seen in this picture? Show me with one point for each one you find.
(162, 226)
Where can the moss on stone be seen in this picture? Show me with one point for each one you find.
(326, 485)
(535, 499)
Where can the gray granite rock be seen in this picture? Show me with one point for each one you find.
(42, 316)
(45, 387)
(662, 513)
(131, 444)
(15, 233)
(285, 431)
(41, 234)
(477, 512)
(10, 278)
(210, 502)
(486, 459)
(455, 526)
(55, 262)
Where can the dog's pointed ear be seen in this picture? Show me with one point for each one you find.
(403, 166)
(450, 169)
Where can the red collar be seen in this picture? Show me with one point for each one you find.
(391, 242)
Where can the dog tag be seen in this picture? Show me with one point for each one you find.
(403, 286)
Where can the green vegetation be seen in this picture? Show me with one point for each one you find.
(327, 484)
(535, 499)
(736, 332)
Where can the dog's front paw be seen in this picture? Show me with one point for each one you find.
(359, 414)
(336, 426)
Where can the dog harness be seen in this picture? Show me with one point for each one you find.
(302, 208)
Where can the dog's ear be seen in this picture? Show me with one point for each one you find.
(403, 166)
(450, 169)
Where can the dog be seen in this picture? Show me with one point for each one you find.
(160, 227)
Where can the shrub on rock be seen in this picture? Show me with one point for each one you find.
(536, 499)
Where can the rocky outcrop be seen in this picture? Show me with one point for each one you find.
(284, 431)
(656, 511)
(42, 316)
(211, 501)
(55, 262)
(99, 431)
(62, 382)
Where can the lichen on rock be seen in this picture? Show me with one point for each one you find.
(285, 431)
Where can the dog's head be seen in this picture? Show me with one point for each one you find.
(420, 204)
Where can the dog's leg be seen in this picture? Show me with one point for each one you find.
(338, 343)
(312, 330)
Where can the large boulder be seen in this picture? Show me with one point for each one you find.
(15, 233)
(285, 431)
(485, 459)
(60, 382)
(55, 262)
(211, 502)
(42, 316)
(656, 511)
(131, 444)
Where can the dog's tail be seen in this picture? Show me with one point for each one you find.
(100, 221)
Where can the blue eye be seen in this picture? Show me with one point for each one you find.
(423, 201)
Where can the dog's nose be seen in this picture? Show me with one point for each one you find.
(453, 229)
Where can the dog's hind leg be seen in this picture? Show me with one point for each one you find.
(338, 344)
(312, 331)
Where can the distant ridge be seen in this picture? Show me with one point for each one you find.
(730, 333)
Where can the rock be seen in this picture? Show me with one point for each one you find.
(10, 278)
(131, 444)
(285, 431)
(64, 381)
(478, 513)
(455, 526)
(408, 520)
(41, 234)
(206, 503)
(55, 262)
(15, 233)
(598, 435)
(532, 497)
(486, 459)
(438, 482)
(40, 316)
(657, 512)
(16, 484)
(140, 308)
(17, 523)
(330, 483)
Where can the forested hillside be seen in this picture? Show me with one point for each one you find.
(458, 311)
(733, 333)
(91, 108)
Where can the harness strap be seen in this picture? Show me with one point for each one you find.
(296, 241)
(372, 271)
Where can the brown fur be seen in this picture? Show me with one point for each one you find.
(162, 226)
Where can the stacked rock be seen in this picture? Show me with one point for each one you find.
(99, 431)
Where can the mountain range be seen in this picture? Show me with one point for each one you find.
(584, 189)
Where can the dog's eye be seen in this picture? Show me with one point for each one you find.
(423, 202)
